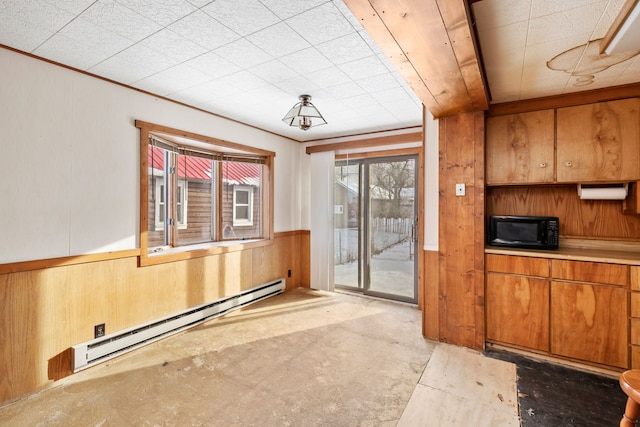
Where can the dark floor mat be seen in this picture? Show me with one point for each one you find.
(553, 395)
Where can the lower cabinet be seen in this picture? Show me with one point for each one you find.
(574, 309)
(589, 322)
(518, 310)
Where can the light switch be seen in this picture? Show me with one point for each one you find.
(460, 190)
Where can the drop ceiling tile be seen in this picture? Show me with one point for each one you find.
(209, 93)
(72, 6)
(163, 12)
(321, 24)
(147, 58)
(501, 39)
(297, 85)
(203, 30)
(185, 74)
(345, 90)
(118, 69)
(306, 61)
(369, 41)
(539, 8)
(273, 71)
(199, 3)
(378, 83)
(68, 51)
(243, 53)
(345, 49)
(360, 101)
(82, 44)
(557, 26)
(244, 81)
(213, 65)
(159, 85)
(363, 68)
(27, 24)
(278, 40)
(114, 17)
(497, 13)
(608, 17)
(329, 77)
(391, 96)
(173, 45)
(21, 35)
(254, 15)
(286, 8)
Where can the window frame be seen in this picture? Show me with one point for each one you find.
(225, 150)
(243, 222)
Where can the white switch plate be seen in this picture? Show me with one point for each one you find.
(460, 189)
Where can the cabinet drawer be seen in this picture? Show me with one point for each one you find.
(593, 272)
(525, 266)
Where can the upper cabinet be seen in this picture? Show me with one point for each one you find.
(599, 142)
(520, 148)
(595, 143)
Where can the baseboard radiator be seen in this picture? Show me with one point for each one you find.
(104, 348)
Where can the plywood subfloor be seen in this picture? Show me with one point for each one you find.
(460, 385)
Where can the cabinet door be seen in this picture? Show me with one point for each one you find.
(599, 142)
(589, 322)
(520, 148)
(517, 310)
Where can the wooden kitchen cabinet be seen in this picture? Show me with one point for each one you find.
(520, 148)
(589, 322)
(562, 307)
(518, 310)
(599, 142)
(517, 301)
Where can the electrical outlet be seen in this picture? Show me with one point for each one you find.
(99, 330)
(288, 273)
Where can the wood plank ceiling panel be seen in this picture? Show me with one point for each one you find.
(431, 44)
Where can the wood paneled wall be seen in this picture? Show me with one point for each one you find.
(595, 219)
(455, 294)
(46, 311)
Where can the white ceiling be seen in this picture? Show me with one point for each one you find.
(248, 60)
(536, 48)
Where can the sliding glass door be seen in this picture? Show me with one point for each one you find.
(374, 227)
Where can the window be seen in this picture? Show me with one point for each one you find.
(200, 192)
(242, 205)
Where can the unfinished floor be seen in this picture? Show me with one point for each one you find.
(304, 358)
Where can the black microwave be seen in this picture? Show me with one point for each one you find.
(531, 232)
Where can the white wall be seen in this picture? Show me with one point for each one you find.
(69, 180)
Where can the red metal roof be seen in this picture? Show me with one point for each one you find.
(198, 168)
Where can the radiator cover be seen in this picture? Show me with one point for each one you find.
(104, 348)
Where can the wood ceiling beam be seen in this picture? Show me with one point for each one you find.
(431, 44)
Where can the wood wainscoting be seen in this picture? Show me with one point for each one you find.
(48, 309)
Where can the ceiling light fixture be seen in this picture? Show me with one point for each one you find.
(624, 34)
(304, 114)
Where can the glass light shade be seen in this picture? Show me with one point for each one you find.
(304, 114)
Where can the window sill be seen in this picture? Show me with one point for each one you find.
(200, 250)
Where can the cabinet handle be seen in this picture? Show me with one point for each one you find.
(543, 165)
(568, 163)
